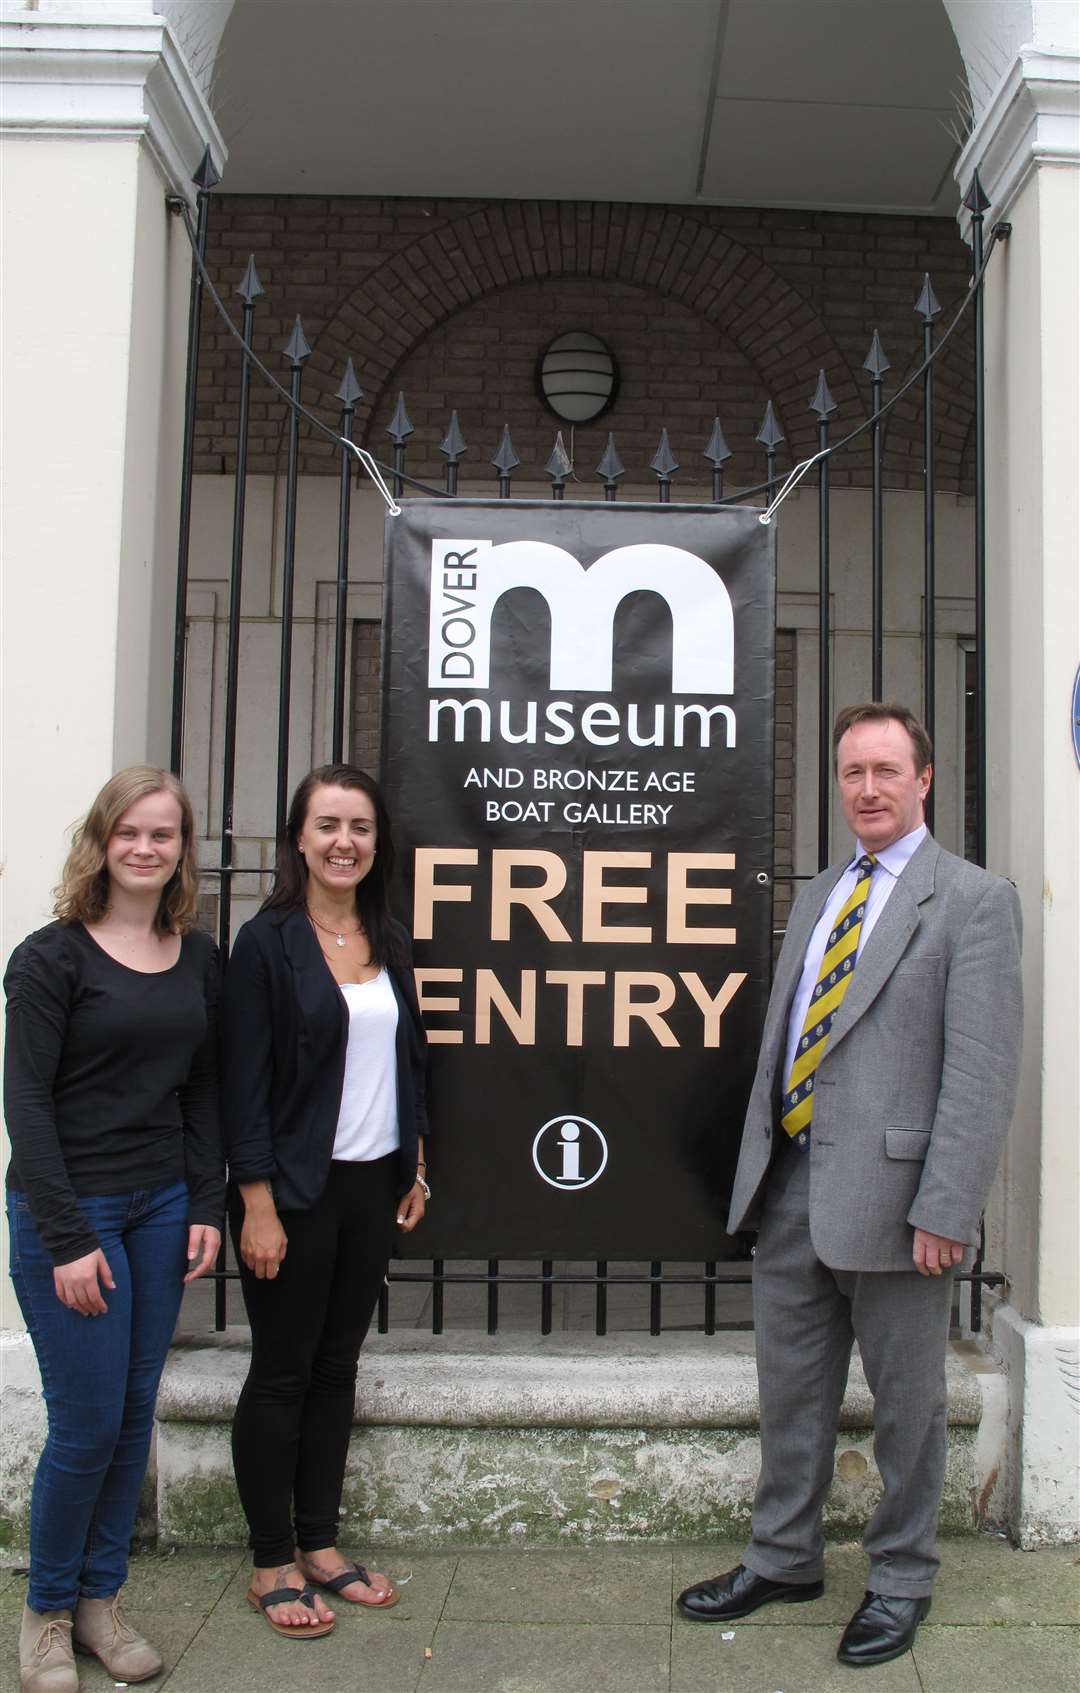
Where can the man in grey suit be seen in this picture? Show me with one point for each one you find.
(884, 1088)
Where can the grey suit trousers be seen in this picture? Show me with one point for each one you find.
(806, 1318)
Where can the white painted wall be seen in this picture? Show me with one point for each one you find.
(1027, 141)
(99, 119)
(90, 486)
(1034, 403)
(990, 34)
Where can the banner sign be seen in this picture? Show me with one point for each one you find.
(577, 757)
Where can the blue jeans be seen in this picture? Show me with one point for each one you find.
(100, 1379)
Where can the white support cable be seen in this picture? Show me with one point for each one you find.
(791, 481)
(374, 472)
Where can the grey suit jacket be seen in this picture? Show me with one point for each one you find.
(916, 1087)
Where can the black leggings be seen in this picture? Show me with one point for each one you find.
(290, 1437)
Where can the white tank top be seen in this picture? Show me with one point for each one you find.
(367, 1124)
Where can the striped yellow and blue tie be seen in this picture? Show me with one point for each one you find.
(834, 974)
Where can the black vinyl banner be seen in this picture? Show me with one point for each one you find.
(577, 756)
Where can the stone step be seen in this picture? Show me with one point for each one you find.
(520, 1439)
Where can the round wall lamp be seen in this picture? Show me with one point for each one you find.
(577, 376)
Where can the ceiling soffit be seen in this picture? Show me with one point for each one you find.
(843, 104)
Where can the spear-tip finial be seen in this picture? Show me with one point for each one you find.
(250, 287)
(506, 460)
(975, 199)
(875, 361)
(717, 450)
(349, 390)
(927, 305)
(558, 466)
(399, 428)
(822, 402)
(770, 434)
(611, 466)
(296, 349)
(207, 175)
(663, 460)
(453, 443)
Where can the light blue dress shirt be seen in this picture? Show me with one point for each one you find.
(891, 860)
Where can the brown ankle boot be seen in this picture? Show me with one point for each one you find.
(102, 1628)
(46, 1664)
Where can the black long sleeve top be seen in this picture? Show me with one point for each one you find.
(110, 1080)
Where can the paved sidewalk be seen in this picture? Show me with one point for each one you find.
(594, 1620)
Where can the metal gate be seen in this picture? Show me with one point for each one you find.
(768, 494)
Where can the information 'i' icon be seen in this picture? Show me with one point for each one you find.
(571, 1153)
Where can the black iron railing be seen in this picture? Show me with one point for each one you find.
(709, 1278)
(451, 1281)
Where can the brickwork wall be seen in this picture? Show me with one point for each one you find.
(366, 677)
(709, 312)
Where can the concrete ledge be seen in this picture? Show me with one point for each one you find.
(466, 1380)
(520, 1439)
(467, 1439)
(431, 1487)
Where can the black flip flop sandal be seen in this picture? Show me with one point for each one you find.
(356, 1572)
(290, 1596)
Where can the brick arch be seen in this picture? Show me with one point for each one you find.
(676, 371)
(486, 249)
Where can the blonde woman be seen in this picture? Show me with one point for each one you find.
(115, 1195)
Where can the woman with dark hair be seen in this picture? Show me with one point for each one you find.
(323, 1091)
(116, 1185)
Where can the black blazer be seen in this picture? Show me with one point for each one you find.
(285, 1028)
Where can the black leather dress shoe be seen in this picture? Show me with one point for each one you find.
(740, 1592)
(882, 1628)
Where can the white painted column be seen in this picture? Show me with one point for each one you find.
(1027, 146)
(100, 117)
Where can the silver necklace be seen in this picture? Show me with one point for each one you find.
(338, 934)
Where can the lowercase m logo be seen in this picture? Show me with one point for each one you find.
(469, 577)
